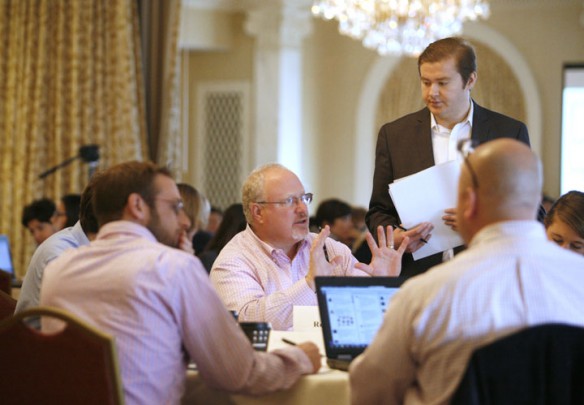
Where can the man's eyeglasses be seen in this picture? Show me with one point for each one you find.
(465, 147)
(176, 205)
(291, 201)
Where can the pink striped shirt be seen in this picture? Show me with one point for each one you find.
(158, 303)
(262, 284)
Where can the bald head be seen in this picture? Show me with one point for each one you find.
(509, 186)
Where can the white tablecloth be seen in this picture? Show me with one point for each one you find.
(326, 387)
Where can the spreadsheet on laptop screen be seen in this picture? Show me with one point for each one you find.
(355, 313)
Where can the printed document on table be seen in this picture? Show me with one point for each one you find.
(423, 197)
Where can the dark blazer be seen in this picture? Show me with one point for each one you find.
(404, 147)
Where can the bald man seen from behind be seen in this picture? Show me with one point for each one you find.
(509, 278)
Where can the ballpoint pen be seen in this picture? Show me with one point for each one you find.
(288, 341)
(404, 229)
(326, 256)
(292, 343)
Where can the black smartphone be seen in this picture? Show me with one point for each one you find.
(258, 334)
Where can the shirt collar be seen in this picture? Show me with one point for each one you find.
(436, 127)
(504, 229)
(125, 227)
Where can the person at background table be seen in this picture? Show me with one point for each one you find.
(67, 211)
(196, 208)
(264, 271)
(215, 218)
(232, 223)
(565, 221)
(71, 237)
(156, 300)
(338, 215)
(40, 219)
(410, 144)
(510, 277)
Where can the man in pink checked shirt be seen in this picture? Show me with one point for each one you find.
(133, 283)
(266, 269)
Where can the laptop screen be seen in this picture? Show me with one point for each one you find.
(5, 257)
(352, 310)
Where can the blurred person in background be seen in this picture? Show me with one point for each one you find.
(337, 215)
(360, 247)
(196, 209)
(39, 218)
(83, 231)
(564, 222)
(233, 222)
(215, 218)
(67, 212)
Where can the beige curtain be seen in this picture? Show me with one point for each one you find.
(70, 75)
(160, 21)
(497, 88)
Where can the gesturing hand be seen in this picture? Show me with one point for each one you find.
(385, 260)
(319, 265)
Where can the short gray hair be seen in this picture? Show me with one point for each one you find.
(253, 187)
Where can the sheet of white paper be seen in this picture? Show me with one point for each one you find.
(423, 197)
(315, 336)
(276, 342)
(305, 318)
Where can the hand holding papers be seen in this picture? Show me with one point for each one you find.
(423, 197)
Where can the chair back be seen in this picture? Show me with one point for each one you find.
(7, 305)
(5, 282)
(77, 365)
(539, 365)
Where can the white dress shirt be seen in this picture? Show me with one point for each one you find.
(444, 145)
(509, 278)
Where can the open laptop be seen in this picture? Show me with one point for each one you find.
(6, 260)
(351, 312)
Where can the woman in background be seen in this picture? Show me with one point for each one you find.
(232, 223)
(196, 208)
(564, 222)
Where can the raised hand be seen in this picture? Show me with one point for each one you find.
(385, 260)
(319, 264)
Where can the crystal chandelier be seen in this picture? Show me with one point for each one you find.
(400, 26)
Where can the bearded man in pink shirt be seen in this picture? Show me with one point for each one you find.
(133, 283)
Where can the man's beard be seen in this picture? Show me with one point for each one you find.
(298, 234)
(161, 234)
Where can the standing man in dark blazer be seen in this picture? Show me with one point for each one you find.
(417, 141)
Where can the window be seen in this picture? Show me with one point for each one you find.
(572, 148)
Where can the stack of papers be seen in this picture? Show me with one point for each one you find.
(423, 197)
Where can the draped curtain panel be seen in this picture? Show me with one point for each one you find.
(70, 75)
(160, 21)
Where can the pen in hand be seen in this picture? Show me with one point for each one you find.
(404, 229)
(292, 343)
(326, 256)
(288, 341)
